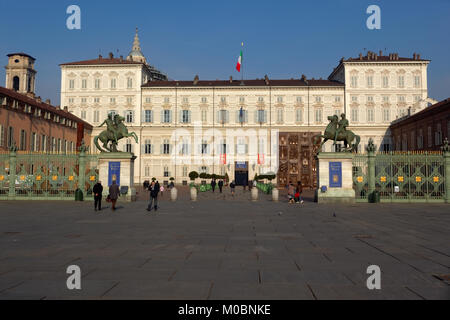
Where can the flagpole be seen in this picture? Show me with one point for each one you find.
(242, 64)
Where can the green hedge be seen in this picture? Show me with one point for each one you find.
(265, 187)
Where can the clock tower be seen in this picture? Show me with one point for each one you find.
(20, 73)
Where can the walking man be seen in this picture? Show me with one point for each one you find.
(220, 185)
(154, 189)
(97, 190)
(213, 184)
(114, 194)
(232, 185)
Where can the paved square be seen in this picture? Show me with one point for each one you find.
(224, 248)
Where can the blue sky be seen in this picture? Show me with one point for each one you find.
(282, 39)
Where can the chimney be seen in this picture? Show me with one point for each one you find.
(414, 56)
(196, 79)
(376, 56)
(381, 53)
(390, 56)
(418, 56)
(266, 80)
(111, 55)
(360, 56)
(231, 79)
(99, 57)
(47, 101)
(303, 78)
(121, 58)
(38, 99)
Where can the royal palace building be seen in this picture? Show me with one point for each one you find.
(241, 127)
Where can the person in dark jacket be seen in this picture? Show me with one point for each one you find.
(232, 186)
(97, 190)
(213, 184)
(114, 194)
(220, 184)
(154, 189)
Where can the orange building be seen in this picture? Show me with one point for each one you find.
(29, 123)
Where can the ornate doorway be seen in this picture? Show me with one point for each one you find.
(296, 159)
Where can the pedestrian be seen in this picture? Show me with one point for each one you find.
(153, 196)
(171, 185)
(244, 183)
(213, 184)
(298, 192)
(250, 185)
(232, 185)
(291, 193)
(114, 194)
(97, 190)
(220, 185)
(161, 189)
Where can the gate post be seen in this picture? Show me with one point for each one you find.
(82, 169)
(371, 170)
(446, 153)
(12, 171)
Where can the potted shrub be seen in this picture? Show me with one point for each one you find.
(173, 190)
(193, 175)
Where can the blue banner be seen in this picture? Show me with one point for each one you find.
(335, 169)
(113, 172)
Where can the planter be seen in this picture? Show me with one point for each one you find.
(193, 194)
(173, 194)
(275, 194)
(254, 194)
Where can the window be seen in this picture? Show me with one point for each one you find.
(204, 100)
(204, 115)
(166, 147)
(430, 141)
(112, 100)
(279, 115)
(204, 147)
(166, 171)
(148, 100)
(370, 115)
(241, 116)
(369, 98)
(113, 83)
(354, 81)
(129, 116)
(416, 98)
(318, 115)
(401, 98)
(337, 99)
(148, 116)
(185, 116)
(147, 171)
(166, 99)
(386, 115)
(438, 135)
(97, 83)
(83, 114)
(71, 83)
(417, 81)
(83, 84)
(420, 139)
(354, 99)
(185, 100)
(53, 146)
(23, 140)
(43, 142)
(223, 147)
(337, 112)
(148, 146)
(166, 116)
(261, 146)
(96, 100)
(184, 147)
(298, 115)
(71, 100)
(83, 100)
(370, 81)
(318, 99)
(260, 116)
(299, 99)
(222, 116)
(401, 81)
(129, 100)
(260, 99)
(385, 81)
(413, 139)
(96, 115)
(223, 99)
(185, 171)
(354, 115)
(112, 113)
(58, 145)
(279, 99)
(128, 147)
(385, 99)
(241, 99)
(129, 83)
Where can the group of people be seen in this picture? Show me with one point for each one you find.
(114, 193)
(232, 185)
(294, 192)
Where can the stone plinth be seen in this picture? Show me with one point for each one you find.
(334, 172)
(117, 164)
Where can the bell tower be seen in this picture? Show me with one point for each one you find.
(20, 73)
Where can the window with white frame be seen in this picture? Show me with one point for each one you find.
(83, 100)
(71, 100)
(185, 100)
(241, 99)
(337, 99)
(337, 112)
(129, 116)
(369, 99)
(96, 115)
(354, 115)
(318, 99)
(298, 115)
(261, 116)
(318, 115)
(385, 81)
(148, 116)
(241, 115)
(417, 81)
(185, 116)
(223, 99)
(83, 114)
(401, 98)
(147, 171)
(83, 83)
(71, 83)
(148, 146)
(354, 99)
(370, 115)
(354, 81)
(112, 100)
(370, 81)
(416, 98)
(204, 100)
(260, 99)
(299, 99)
(280, 115)
(222, 116)
(166, 146)
(129, 83)
(401, 81)
(166, 100)
(279, 99)
(166, 116)
(113, 83)
(386, 115)
(204, 147)
(128, 147)
(204, 115)
(385, 99)
(96, 100)
(97, 83)
(185, 171)
(129, 100)
(148, 100)
(166, 171)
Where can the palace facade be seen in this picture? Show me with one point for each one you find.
(233, 126)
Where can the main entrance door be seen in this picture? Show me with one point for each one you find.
(296, 159)
(241, 173)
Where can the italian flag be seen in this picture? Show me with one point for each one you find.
(238, 65)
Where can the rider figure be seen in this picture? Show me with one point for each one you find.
(342, 126)
(111, 125)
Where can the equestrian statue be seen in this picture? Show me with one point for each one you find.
(336, 130)
(115, 130)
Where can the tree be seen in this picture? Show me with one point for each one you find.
(193, 175)
(153, 179)
(172, 178)
(203, 175)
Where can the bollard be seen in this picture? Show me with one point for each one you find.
(173, 194)
(193, 194)
(254, 194)
(275, 194)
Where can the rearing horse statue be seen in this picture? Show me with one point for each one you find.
(115, 131)
(343, 135)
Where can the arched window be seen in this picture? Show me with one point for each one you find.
(16, 82)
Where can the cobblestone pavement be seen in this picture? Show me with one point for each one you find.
(224, 248)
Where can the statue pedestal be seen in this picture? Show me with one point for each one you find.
(117, 166)
(335, 178)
